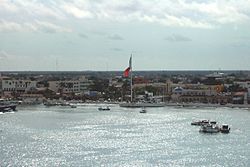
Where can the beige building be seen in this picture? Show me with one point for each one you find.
(18, 86)
(199, 93)
(69, 86)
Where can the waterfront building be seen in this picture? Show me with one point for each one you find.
(199, 93)
(244, 95)
(1, 85)
(70, 86)
(17, 85)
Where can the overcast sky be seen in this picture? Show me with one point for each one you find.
(101, 34)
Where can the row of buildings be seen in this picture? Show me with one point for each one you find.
(35, 90)
(218, 91)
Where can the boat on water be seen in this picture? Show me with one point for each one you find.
(224, 128)
(104, 108)
(143, 110)
(210, 128)
(213, 122)
(7, 107)
(73, 106)
(200, 122)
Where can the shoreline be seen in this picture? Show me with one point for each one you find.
(184, 105)
(208, 105)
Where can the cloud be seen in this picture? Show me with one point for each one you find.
(35, 26)
(31, 9)
(115, 37)
(177, 38)
(9, 26)
(174, 21)
(47, 27)
(73, 9)
(181, 13)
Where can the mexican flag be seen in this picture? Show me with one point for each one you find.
(126, 72)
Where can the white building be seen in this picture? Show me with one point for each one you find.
(21, 86)
(194, 92)
(69, 86)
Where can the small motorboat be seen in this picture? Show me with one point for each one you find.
(143, 110)
(209, 128)
(104, 108)
(200, 122)
(6, 110)
(224, 128)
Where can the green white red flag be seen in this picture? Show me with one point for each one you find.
(127, 71)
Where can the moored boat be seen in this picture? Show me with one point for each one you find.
(7, 108)
(224, 128)
(213, 122)
(104, 108)
(200, 122)
(73, 106)
(209, 128)
(143, 110)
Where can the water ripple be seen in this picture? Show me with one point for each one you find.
(122, 137)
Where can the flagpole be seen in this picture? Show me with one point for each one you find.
(131, 79)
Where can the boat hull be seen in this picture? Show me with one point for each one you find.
(209, 129)
(225, 130)
(104, 109)
(7, 108)
(200, 123)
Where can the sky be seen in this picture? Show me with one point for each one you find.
(100, 35)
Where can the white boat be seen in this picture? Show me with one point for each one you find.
(224, 128)
(200, 122)
(143, 110)
(209, 128)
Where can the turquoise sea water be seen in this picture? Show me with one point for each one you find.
(84, 136)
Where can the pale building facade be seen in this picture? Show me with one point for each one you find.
(18, 86)
(199, 93)
(69, 86)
